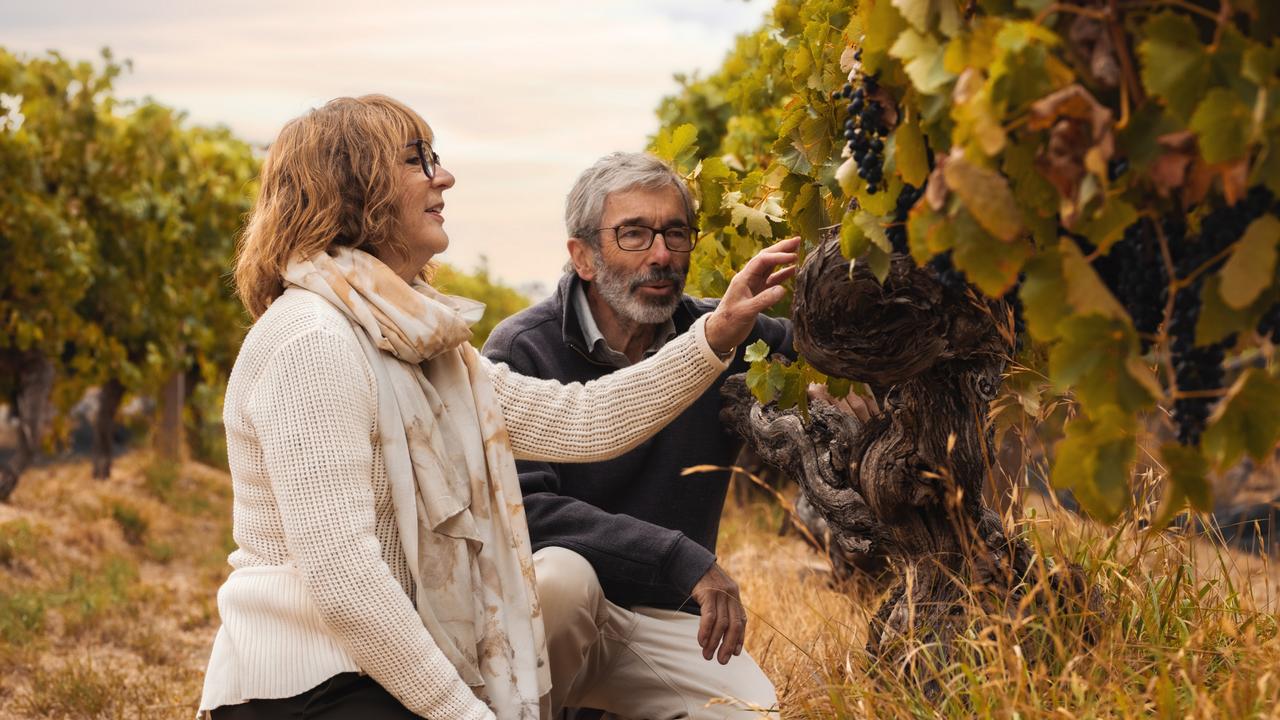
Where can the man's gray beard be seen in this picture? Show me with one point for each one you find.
(618, 290)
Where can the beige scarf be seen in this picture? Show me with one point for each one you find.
(452, 475)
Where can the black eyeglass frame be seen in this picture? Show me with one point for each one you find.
(653, 235)
(428, 160)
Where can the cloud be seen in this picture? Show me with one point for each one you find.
(522, 95)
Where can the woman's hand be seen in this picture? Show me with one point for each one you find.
(752, 290)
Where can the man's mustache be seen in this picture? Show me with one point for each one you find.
(657, 275)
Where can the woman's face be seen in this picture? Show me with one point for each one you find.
(421, 208)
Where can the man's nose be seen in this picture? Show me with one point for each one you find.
(658, 252)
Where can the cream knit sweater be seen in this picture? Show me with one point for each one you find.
(320, 585)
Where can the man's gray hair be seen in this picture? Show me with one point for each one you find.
(620, 171)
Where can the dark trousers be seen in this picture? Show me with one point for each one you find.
(348, 695)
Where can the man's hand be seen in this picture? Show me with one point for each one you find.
(724, 621)
(755, 288)
(859, 406)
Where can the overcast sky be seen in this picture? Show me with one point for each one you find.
(522, 95)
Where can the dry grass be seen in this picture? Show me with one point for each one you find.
(1187, 630)
(107, 611)
(107, 589)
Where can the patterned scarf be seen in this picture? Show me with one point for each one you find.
(452, 475)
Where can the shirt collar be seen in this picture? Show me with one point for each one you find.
(597, 346)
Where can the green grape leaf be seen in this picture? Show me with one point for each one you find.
(1108, 224)
(986, 195)
(1224, 126)
(1085, 290)
(910, 153)
(853, 241)
(1096, 357)
(1217, 320)
(990, 264)
(873, 228)
(806, 213)
(1245, 421)
(1186, 481)
(921, 14)
(922, 58)
(847, 177)
(1094, 462)
(879, 262)
(1043, 294)
(676, 145)
(1175, 65)
(928, 233)
(1030, 187)
(1252, 264)
(756, 351)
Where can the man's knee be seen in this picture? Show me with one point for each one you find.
(567, 584)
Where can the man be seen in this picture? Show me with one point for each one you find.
(641, 620)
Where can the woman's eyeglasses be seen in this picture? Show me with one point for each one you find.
(427, 157)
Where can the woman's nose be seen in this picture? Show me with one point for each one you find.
(443, 178)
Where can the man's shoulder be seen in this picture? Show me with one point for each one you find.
(534, 325)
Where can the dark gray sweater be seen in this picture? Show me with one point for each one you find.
(649, 533)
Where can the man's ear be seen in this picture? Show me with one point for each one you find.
(582, 257)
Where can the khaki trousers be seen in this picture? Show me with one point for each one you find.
(640, 664)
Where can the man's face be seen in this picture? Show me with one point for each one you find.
(641, 286)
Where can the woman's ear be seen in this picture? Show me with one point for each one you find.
(582, 257)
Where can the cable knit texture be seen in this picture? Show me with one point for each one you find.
(321, 583)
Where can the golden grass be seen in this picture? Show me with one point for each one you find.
(1187, 630)
(107, 610)
(107, 589)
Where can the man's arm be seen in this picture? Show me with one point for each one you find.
(628, 554)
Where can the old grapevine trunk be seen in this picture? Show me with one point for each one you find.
(906, 486)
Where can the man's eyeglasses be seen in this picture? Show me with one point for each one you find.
(638, 238)
(427, 157)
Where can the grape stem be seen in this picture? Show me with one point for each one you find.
(1162, 338)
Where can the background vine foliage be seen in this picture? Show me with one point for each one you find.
(1110, 167)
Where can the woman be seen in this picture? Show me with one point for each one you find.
(383, 564)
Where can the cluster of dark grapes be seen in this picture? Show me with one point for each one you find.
(1134, 272)
(865, 129)
(897, 231)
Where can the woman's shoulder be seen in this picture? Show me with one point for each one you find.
(300, 323)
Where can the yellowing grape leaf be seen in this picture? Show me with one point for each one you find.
(1252, 264)
(853, 241)
(912, 158)
(922, 58)
(1092, 358)
(1085, 290)
(1245, 421)
(1175, 65)
(986, 195)
(1094, 462)
(1043, 294)
(990, 264)
(1224, 126)
(674, 145)
(1186, 481)
(1108, 224)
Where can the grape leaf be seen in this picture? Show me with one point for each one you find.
(1252, 264)
(675, 145)
(756, 351)
(1175, 65)
(853, 241)
(922, 58)
(873, 228)
(1085, 290)
(1223, 125)
(986, 195)
(911, 155)
(990, 264)
(1186, 480)
(1094, 462)
(1092, 358)
(1245, 421)
(1107, 226)
(921, 13)
(1043, 294)
(879, 262)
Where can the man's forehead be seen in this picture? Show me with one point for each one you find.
(644, 202)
